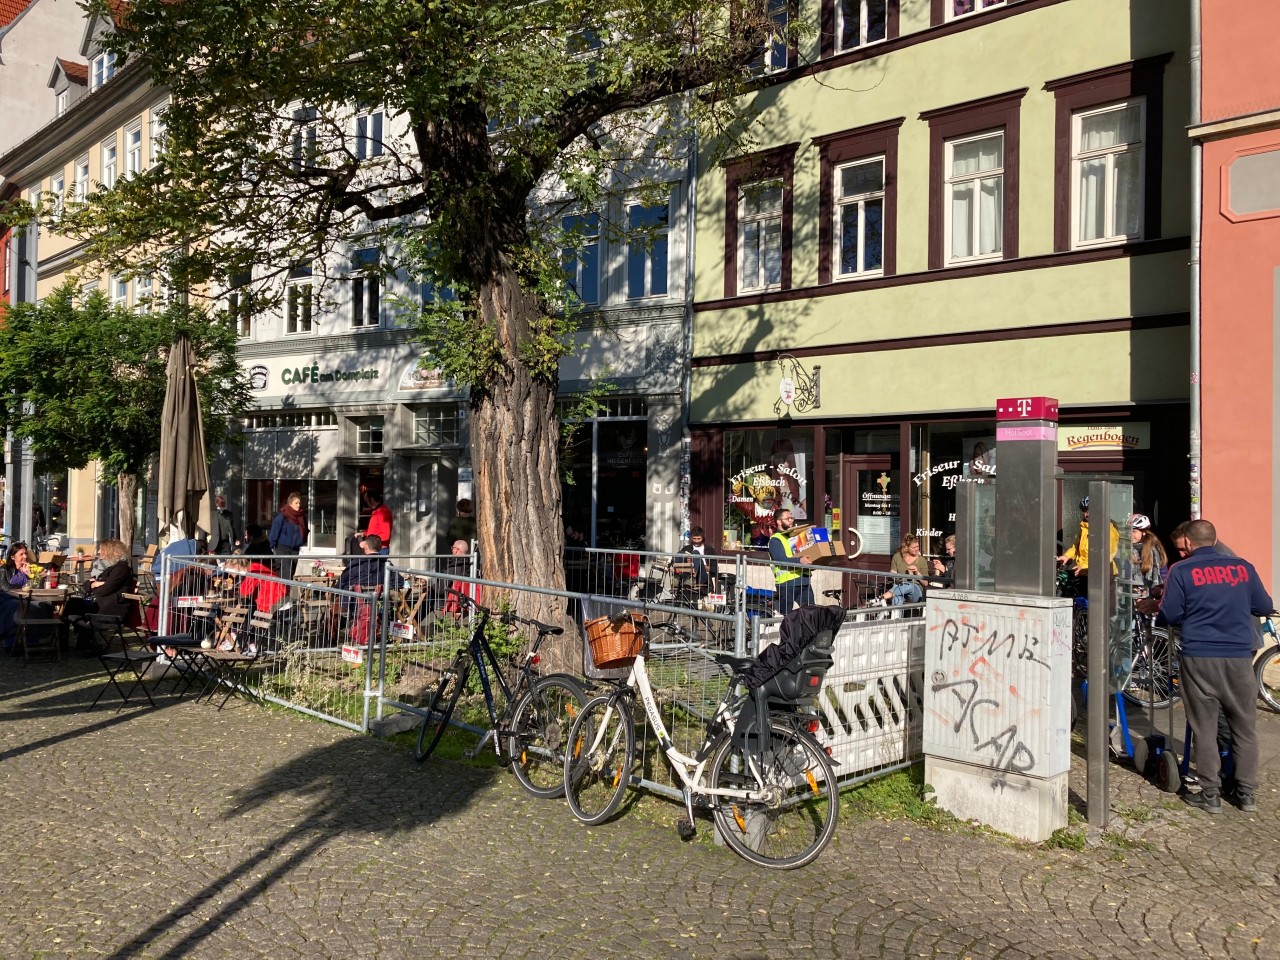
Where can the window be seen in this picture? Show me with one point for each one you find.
(102, 69)
(369, 133)
(1107, 154)
(119, 291)
(859, 226)
(158, 132)
(366, 305)
(760, 235)
(87, 289)
(82, 178)
(299, 298)
(240, 304)
(581, 256)
(64, 101)
(962, 8)
(133, 150)
(58, 187)
(33, 197)
(647, 250)
(859, 22)
(858, 202)
(751, 185)
(142, 292)
(1106, 161)
(777, 48)
(110, 153)
(975, 198)
(369, 436)
(437, 425)
(973, 181)
(304, 137)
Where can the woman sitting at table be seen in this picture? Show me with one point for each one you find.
(15, 575)
(103, 594)
(267, 594)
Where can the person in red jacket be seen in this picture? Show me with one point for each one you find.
(266, 594)
(379, 520)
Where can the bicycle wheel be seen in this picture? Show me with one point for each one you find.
(601, 752)
(1150, 683)
(442, 703)
(1268, 672)
(539, 731)
(797, 816)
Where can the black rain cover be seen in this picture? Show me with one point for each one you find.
(799, 627)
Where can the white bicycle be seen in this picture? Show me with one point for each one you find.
(769, 784)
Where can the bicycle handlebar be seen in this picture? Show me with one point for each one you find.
(508, 617)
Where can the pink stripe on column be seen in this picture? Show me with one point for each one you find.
(1027, 433)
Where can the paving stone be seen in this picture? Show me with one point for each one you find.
(182, 831)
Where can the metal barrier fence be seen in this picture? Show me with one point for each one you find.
(350, 657)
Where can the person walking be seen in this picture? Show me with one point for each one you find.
(792, 585)
(288, 535)
(1216, 599)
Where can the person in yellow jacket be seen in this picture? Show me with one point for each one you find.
(1078, 553)
(791, 584)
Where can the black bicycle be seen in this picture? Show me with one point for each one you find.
(531, 730)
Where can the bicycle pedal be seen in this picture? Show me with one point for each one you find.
(686, 829)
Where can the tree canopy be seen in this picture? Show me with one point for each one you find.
(86, 381)
(296, 129)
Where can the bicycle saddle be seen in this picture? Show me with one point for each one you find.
(737, 664)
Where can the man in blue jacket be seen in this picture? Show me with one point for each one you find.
(1216, 599)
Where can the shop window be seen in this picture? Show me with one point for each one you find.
(369, 436)
(437, 425)
(765, 470)
(945, 456)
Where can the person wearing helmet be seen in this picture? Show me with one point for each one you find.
(1077, 555)
(1150, 563)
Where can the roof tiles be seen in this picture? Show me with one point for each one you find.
(9, 10)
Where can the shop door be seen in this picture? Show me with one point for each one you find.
(872, 505)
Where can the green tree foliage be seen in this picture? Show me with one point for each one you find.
(85, 381)
(267, 168)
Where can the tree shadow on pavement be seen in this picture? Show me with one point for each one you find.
(355, 787)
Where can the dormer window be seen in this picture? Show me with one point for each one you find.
(64, 101)
(101, 69)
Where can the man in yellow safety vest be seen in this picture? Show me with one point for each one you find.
(792, 585)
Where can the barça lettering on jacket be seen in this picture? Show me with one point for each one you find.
(1232, 574)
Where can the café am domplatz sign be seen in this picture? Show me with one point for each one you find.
(340, 374)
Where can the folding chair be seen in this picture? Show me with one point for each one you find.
(133, 656)
(37, 630)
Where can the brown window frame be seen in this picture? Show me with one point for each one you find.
(1097, 88)
(827, 31)
(836, 149)
(997, 113)
(778, 163)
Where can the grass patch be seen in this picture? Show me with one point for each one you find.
(901, 795)
(1065, 838)
(1136, 813)
(1121, 842)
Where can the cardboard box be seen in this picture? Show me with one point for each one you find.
(823, 552)
(806, 536)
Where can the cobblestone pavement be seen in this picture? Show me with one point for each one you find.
(187, 832)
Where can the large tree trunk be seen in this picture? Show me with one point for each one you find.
(126, 497)
(515, 455)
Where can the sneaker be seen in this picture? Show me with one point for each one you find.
(1246, 802)
(1203, 801)
(251, 650)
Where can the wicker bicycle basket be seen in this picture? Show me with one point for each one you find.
(616, 641)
